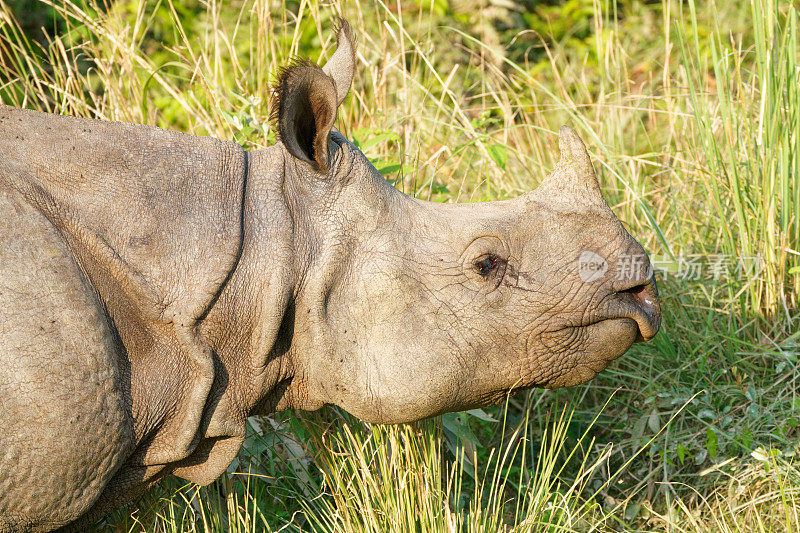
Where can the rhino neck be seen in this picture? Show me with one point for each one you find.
(250, 326)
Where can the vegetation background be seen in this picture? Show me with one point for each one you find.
(691, 111)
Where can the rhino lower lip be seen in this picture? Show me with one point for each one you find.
(613, 323)
(646, 329)
(646, 325)
(611, 335)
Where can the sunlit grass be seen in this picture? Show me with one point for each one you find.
(401, 479)
(747, 137)
(397, 479)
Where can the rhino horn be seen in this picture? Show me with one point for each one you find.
(341, 66)
(573, 181)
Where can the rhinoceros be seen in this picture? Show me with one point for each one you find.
(158, 288)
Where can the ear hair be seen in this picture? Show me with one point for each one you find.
(341, 25)
(303, 110)
(342, 64)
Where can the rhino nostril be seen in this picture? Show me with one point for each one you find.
(637, 290)
(647, 311)
(645, 293)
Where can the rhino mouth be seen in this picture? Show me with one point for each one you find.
(589, 348)
(640, 304)
(637, 305)
(627, 317)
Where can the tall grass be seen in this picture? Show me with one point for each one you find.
(400, 479)
(748, 139)
(691, 112)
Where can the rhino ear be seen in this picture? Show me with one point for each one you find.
(304, 109)
(342, 64)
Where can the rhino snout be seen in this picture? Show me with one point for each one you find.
(641, 301)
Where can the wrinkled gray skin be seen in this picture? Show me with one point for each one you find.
(158, 288)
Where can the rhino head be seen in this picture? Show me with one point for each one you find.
(404, 309)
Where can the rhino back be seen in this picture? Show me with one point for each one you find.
(65, 424)
(162, 205)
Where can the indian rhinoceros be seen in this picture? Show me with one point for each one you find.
(158, 288)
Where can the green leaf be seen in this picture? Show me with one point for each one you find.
(654, 421)
(700, 457)
(439, 188)
(760, 454)
(480, 414)
(639, 427)
(750, 393)
(681, 452)
(457, 424)
(366, 139)
(707, 414)
(711, 443)
(387, 167)
(632, 510)
(499, 154)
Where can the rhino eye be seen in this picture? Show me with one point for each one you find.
(486, 265)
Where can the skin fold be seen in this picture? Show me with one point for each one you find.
(158, 288)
